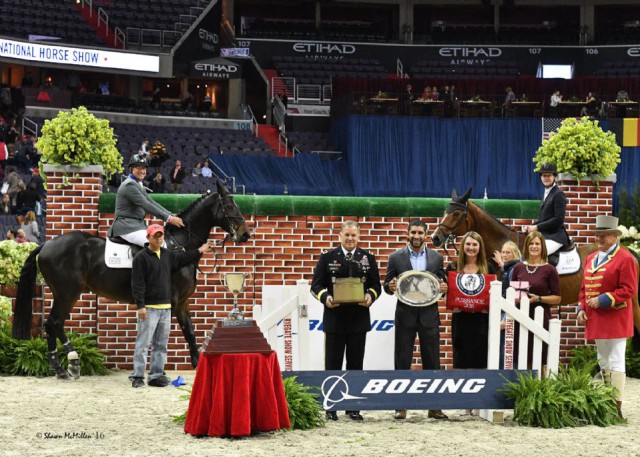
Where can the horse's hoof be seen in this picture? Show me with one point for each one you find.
(74, 371)
(61, 374)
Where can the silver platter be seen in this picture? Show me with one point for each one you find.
(418, 288)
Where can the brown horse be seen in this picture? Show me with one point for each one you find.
(463, 215)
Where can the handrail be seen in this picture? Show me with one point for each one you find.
(227, 177)
(254, 121)
(33, 129)
(283, 139)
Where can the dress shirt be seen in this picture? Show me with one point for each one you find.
(418, 259)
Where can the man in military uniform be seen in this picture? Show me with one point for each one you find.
(346, 325)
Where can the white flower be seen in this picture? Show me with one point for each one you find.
(633, 231)
(623, 229)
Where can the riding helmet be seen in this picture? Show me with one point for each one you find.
(548, 168)
(138, 161)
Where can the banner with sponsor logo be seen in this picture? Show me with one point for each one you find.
(586, 59)
(85, 57)
(408, 389)
(468, 292)
(217, 68)
(203, 42)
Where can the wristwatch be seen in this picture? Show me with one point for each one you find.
(539, 300)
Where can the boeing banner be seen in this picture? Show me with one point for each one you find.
(409, 389)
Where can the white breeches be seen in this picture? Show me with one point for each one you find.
(611, 354)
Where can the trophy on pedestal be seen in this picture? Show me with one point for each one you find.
(235, 283)
(235, 333)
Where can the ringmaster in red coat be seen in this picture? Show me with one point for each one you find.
(609, 285)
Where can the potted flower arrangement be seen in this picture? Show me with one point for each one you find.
(78, 138)
(12, 258)
(630, 238)
(582, 149)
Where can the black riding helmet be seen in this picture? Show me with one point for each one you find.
(138, 161)
(548, 168)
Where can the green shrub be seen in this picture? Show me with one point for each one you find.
(585, 358)
(571, 399)
(304, 410)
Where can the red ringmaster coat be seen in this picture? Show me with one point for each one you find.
(615, 283)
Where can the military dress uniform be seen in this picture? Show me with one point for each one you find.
(345, 326)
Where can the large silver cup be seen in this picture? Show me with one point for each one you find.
(235, 283)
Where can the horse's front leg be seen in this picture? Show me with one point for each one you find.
(184, 319)
(55, 330)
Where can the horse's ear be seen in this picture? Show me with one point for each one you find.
(454, 194)
(222, 190)
(466, 195)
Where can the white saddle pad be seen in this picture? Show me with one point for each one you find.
(118, 255)
(569, 262)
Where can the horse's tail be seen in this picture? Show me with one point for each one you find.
(26, 287)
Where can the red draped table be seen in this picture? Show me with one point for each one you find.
(237, 395)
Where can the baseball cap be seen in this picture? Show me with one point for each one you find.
(155, 228)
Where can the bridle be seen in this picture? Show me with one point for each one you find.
(450, 235)
(174, 245)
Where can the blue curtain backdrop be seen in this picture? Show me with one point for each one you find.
(305, 174)
(427, 157)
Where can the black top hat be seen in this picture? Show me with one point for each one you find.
(548, 167)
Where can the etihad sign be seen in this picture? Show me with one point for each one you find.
(216, 68)
(470, 52)
(324, 48)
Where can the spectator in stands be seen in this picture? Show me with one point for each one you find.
(27, 80)
(14, 180)
(176, 177)
(452, 92)
(104, 88)
(144, 148)
(508, 99)
(6, 208)
(20, 236)
(26, 154)
(435, 93)
(556, 98)
(157, 184)
(197, 170)
(206, 170)
(19, 103)
(11, 234)
(27, 198)
(407, 99)
(158, 154)
(13, 134)
(591, 106)
(206, 103)
(284, 98)
(445, 96)
(30, 228)
(426, 93)
(6, 102)
(4, 155)
(38, 182)
(622, 96)
(188, 101)
(156, 98)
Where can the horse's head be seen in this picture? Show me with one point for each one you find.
(233, 222)
(455, 221)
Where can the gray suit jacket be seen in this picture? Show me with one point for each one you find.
(132, 205)
(399, 263)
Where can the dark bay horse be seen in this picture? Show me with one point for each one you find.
(74, 263)
(463, 215)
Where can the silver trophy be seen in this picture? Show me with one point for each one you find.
(418, 288)
(235, 283)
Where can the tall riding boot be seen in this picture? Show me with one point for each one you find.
(618, 380)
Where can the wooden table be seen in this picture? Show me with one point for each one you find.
(621, 108)
(524, 109)
(570, 109)
(237, 395)
(428, 107)
(474, 108)
(376, 105)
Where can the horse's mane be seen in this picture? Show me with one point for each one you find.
(185, 212)
(491, 216)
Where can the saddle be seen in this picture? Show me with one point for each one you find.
(566, 259)
(119, 253)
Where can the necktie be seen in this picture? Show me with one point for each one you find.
(349, 258)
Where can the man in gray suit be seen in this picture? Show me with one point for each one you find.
(410, 320)
(133, 203)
